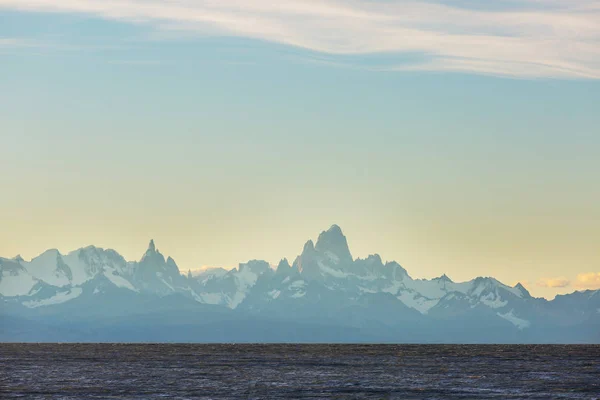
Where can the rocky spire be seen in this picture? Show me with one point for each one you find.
(309, 247)
(152, 253)
(284, 267)
(332, 243)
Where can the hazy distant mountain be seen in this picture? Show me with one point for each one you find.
(92, 294)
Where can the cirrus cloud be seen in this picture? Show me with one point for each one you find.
(9, 42)
(539, 38)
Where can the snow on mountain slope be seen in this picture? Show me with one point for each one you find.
(246, 277)
(90, 261)
(50, 268)
(63, 271)
(210, 273)
(118, 280)
(15, 280)
(59, 298)
(83, 265)
(330, 261)
(323, 278)
(80, 269)
(516, 321)
(422, 294)
(229, 288)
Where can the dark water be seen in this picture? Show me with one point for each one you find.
(147, 371)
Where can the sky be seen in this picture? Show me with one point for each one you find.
(458, 137)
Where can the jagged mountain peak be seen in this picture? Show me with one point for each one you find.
(171, 264)
(50, 253)
(523, 290)
(18, 258)
(444, 278)
(333, 243)
(371, 259)
(397, 271)
(309, 246)
(86, 251)
(323, 281)
(335, 229)
(10, 262)
(284, 262)
(483, 284)
(486, 280)
(256, 266)
(283, 266)
(95, 255)
(372, 266)
(153, 253)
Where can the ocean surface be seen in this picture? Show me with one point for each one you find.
(286, 371)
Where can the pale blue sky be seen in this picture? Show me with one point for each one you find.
(225, 148)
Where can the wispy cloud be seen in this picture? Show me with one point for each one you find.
(590, 280)
(554, 282)
(540, 38)
(139, 62)
(7, 42)
(52, 43)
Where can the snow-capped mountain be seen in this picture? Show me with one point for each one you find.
(324, 285)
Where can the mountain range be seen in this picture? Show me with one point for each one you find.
(324, 295)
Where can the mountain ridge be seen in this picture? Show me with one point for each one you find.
(324, 285)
